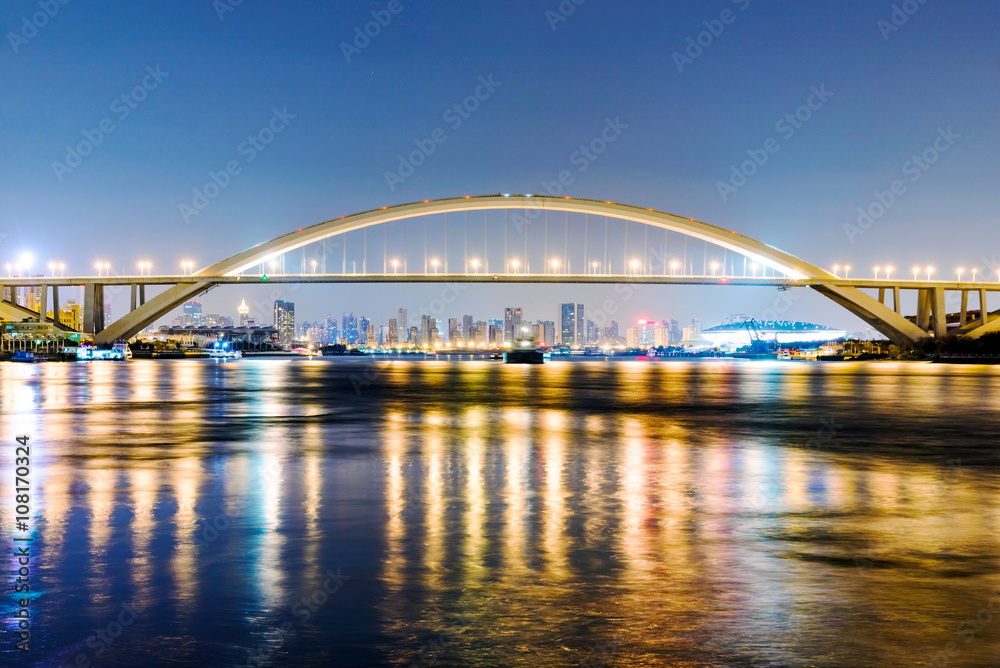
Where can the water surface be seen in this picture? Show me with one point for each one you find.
(470, 513)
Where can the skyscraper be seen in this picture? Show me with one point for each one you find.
(244, 312)
(393, 332)
(468, 329)
(363, 330)
(453, 332)
(571, 324)
(284, 322)
(512, 322)
(402, 325)
(192, 314)
(349, 328)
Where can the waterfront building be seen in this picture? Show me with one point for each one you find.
(284, 322)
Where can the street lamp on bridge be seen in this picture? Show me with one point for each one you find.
(754, 265)
(975, 270)
(836, 268)
(395, 266)
(916, 270)
(847, 270)
(475, 265)
(714, 265)
(314, 263)
(930, 270)
(435, 263)
(514, 263)
(960, 271)
(595, 264)
(555, 265)
(635, 266)
(877, 269)
(888, 271)
(673, 267)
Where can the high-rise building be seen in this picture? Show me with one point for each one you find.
(414, 335)
(192, 314)
(512, 322)
(393, 332)
(468, 327)
(349, 328)
(547, 332)
(244, 312)
(363, 330)
(482, 332)
(453, 332)
(571, 325)
(591, 332)
(33, 297)
(369, 334)
(495, 332)
(108, 318)
(661, 337)
(632, 337)
(225, 321)
(426, 325)
(284, 322)
(403, 325)
(332, 333)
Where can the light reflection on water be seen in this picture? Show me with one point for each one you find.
(685, 513)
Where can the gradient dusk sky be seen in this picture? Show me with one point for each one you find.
(896, 78)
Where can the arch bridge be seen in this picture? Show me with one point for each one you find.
(744, 261)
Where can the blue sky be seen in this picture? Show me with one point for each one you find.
(220, 79)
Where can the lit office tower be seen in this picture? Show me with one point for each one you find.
(192, 313)
(349, 328)
(244, 312)
(414, 335)
(363, 330)
(403, 325)
(393, 332)
(468, 329)
(332, 333)
(512, 322)
(426, 325)
(571, 324)
(482, 331)
(108, 318)
(495, 332)
(547, 332)
(453, 332)
(591, 332)
(284, 322)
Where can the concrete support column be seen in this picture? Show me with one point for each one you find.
(55, 303)
(135, 290)
(984, 311)
(43, 304)
(963, 314)
(881, 295)
(895, 300)
(938, 312)
(923, 309)
(142, 294)
(93, 308)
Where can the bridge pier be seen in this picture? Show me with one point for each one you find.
(939, 315)
(93, 308)
(43, 305)
(963, 312)
(895, 300)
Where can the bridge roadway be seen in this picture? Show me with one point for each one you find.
(595, 279)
